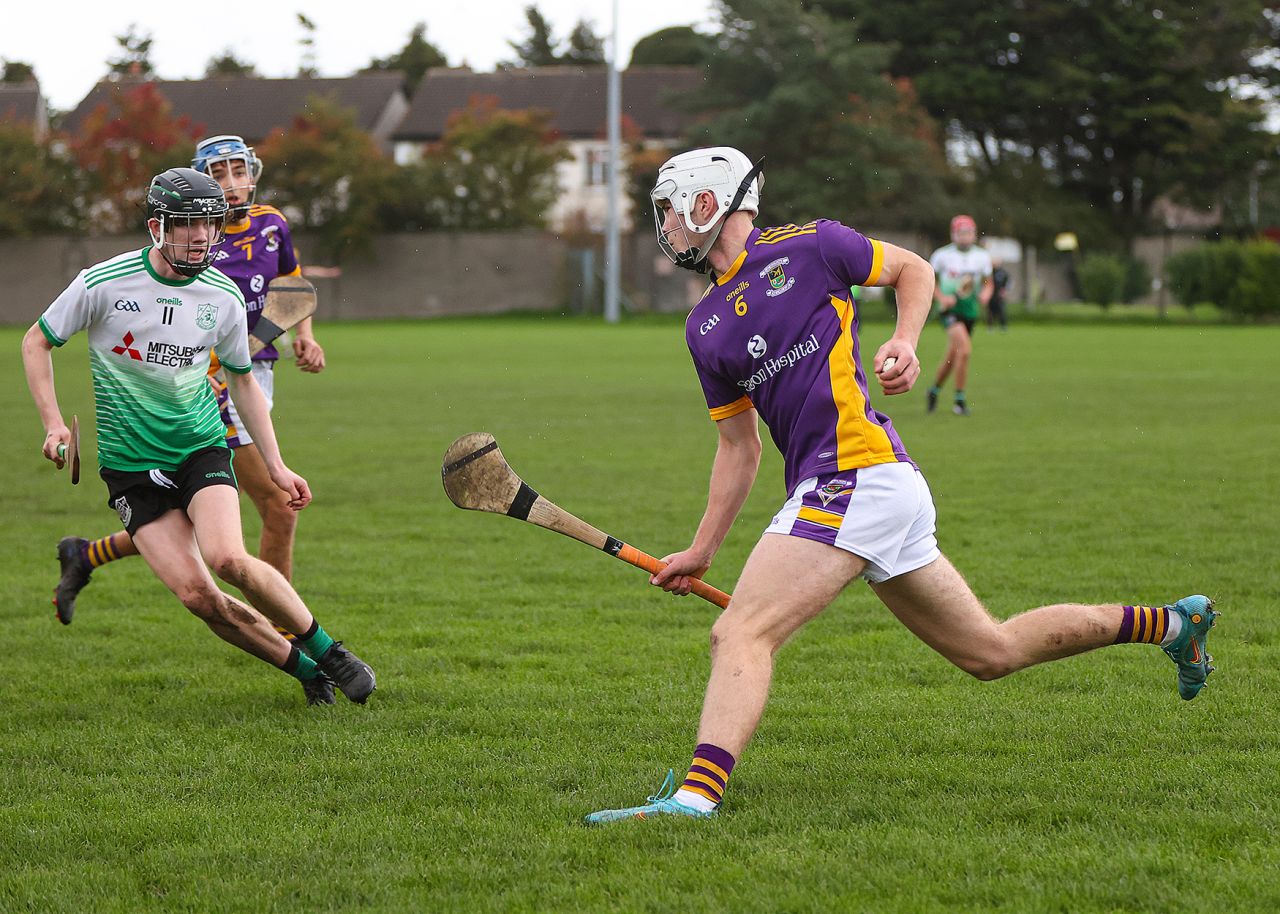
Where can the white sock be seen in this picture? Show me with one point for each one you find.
(695, 800)
(1175, 629)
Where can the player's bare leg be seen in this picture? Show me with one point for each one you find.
(279, 521)
(168, 546)
(770, 603)
(955, 358)
(962, 347)
(936, 604)
(215, 514)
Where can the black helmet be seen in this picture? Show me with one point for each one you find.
(184, 195)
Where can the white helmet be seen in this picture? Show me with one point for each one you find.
(720, 170)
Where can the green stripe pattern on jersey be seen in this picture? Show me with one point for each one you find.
(147, 421)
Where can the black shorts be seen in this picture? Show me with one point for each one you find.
(949, 318)
(142, 496)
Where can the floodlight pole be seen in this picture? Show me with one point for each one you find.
(612, 311)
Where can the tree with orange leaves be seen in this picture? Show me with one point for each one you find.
(122, 144)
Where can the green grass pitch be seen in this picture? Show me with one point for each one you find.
(525, 680)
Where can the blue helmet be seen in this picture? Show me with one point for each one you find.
(226, 148)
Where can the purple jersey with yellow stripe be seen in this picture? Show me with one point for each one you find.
(779, 332)
(253, 253)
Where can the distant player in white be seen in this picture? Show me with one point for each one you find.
(963, 289)
(153, 316)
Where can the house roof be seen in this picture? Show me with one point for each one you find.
(21, 103)
(577, 98)
(253, 107)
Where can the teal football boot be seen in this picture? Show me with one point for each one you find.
(663, 803)
(1188, 650)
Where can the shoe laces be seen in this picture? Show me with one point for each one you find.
(667, 790)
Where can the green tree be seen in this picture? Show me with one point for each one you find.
(15, 71)
(493, 170)
(307, 44)
(586, 48)
(134, 60)
(539, 47)
(41, 191)
(228, 64)
(413, 60)
(839, 139)
(331, 174)
(122, 144)
(679, 45)
(1115, 104)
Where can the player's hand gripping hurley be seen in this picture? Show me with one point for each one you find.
(477, 477)
(70, 451)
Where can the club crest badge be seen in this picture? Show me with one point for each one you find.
(776, 273)
(123, 509)
(206, 316)
(833, 490)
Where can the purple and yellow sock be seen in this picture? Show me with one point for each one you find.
(1143, 625)
(98, 552)
(709, 773)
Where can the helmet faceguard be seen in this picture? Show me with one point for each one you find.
(191, 213)
(230, 149)
(722, 171)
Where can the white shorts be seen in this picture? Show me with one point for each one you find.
(883, 513)
(237, 434)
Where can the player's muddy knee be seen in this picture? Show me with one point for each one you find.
(231, 567)
(731, 631)
(202, 601)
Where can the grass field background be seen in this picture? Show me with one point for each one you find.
(525, 680)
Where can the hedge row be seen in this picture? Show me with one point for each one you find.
(1241, 277)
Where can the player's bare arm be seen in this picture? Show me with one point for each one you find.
(912, 280)
(37, 361)
(732, 474)
(252, 406)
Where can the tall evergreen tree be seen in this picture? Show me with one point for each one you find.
(413, 60)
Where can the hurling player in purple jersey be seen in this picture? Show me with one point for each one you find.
(775, 339)
(255, 249)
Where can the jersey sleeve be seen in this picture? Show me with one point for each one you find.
(232, 343)
(986, 265)
(935, 260)
(853, 258)
(724, 398)
(70, 312)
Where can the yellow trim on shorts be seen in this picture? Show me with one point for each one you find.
(818, 516)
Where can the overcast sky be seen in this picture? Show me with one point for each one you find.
(69, 41)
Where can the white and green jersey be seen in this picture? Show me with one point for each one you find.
(149, 345)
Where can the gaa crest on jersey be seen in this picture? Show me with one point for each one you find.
(121, 505)
(833, 490)
(206, 316)
(776, 273)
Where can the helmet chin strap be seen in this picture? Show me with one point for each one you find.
(694, 259)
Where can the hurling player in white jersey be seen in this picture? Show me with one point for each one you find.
(153, 316)
(236, 167)
(963, 290)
